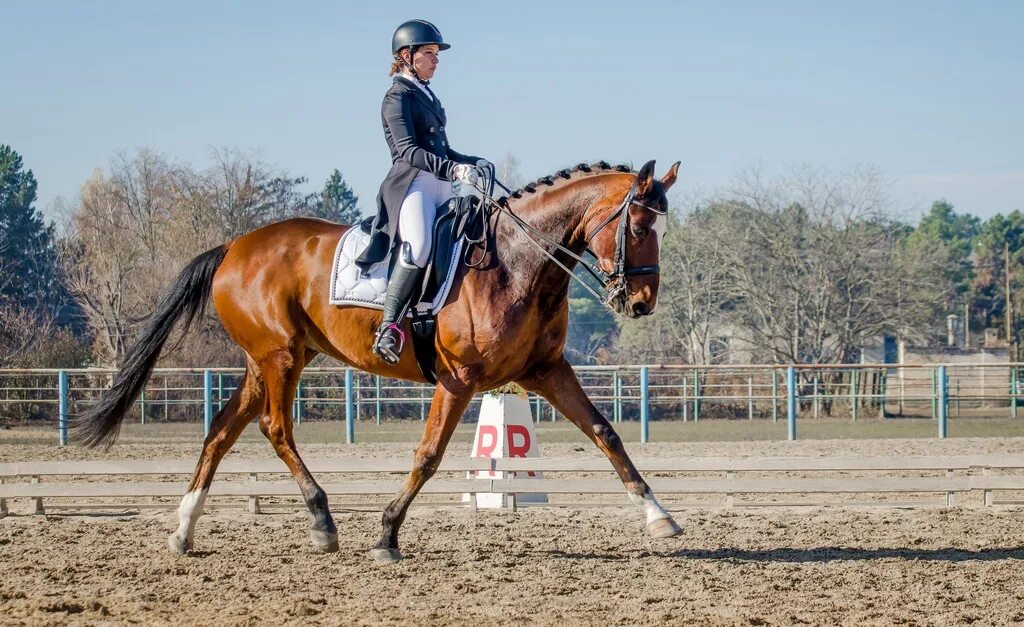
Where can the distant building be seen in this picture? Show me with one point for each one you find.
(978, 376)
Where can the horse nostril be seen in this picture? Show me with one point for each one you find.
(640, 309)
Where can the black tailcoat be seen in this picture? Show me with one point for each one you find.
(414, 129)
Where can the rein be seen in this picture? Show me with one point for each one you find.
(614, 282)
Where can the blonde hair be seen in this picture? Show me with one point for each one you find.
(396, 67)
(399, 64)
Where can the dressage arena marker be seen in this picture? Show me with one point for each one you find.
(504, 430)
(959, 474)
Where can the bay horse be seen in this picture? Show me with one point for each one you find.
(505, 320)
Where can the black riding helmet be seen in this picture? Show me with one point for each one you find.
(416, 33)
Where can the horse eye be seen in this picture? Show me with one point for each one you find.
(639, 231)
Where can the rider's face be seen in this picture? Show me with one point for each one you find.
(425, 61)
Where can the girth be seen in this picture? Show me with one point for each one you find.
(463, 217)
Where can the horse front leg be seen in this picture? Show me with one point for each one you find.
(450, 400)
(559, 385)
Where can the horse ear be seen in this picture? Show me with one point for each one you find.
(645, 178)
(670, 177)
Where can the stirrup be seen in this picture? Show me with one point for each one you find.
(388, 352)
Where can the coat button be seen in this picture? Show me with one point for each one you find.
(442, 129)
(431, 142)
(431, 129)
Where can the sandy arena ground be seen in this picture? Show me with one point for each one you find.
(817, 565)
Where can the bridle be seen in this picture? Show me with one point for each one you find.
(614, 282)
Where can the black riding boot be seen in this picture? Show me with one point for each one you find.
(404, 284)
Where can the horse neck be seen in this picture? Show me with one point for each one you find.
(560, 214)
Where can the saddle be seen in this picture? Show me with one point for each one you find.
(459, 226)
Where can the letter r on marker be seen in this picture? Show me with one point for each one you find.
(521, 448)
(486, 442)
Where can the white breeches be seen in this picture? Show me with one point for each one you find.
(416, 217)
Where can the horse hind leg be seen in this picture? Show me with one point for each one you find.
(281, 370)
(244, 405)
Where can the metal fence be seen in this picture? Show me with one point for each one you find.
(642, 393)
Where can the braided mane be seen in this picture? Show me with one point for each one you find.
(567, 174)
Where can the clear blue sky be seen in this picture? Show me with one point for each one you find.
(930, 92)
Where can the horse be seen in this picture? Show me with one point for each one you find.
(505, 320)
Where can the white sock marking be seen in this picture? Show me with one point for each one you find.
(188, 513)
(652, 508)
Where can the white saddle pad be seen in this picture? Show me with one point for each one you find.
(349, 288)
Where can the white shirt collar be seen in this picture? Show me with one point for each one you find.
(409, 77)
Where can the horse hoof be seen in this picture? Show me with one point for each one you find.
(178, 544)
(324, 541)
(386, 556)
(663, 528)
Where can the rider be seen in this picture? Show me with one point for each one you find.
(423, 168)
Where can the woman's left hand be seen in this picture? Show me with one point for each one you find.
(465, 174)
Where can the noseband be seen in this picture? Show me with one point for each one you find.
(614, 282)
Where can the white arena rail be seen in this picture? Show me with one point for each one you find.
(984, 474)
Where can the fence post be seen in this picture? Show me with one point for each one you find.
(207, 401)
(377, 390)
(696, 395)
(883, 393)
(750, 397)
(62, 406)
(298, 402)
(142, 406)
(943, 398)
(685, 403)
(645, 398)
(791, 401)
(814, 397)
(934, 393)
(775, 395)
(1013, 392)
(853, 394)
(903, 376)
(617, 391)
(350, 410)
(359, 397)
(220, 391)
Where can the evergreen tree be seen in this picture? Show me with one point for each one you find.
(944, 228)
(999, 235)
(28, 260)
(338, 203)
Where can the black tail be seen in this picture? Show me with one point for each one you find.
(99, 424)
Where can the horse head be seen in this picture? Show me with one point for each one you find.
(624, 231)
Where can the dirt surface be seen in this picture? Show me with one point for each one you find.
(542, 565)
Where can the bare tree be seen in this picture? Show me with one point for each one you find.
(818, 266)
(693, 295)
(507, 171)
(102, 262)
(134, 229)
(805, 268)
